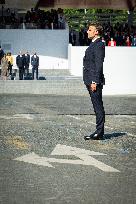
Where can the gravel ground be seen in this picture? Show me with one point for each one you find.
(37, 124)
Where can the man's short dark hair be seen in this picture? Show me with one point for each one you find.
(97, 25)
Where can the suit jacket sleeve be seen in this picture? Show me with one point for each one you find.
(38, 61)
(17, 60)
(99, 55)
(28, 59)
(32, 60)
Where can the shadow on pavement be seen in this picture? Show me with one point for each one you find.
(114, 134)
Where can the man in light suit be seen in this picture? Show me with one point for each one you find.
(93, 77)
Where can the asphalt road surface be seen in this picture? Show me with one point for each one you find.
(45, 160)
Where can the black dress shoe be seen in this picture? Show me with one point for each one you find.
(94, 137)
(97, 137)
(89, 137)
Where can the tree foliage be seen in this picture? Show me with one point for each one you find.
(78, 18)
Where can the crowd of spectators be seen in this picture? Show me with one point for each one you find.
(34, 19)
(53, 19)
(121, 34)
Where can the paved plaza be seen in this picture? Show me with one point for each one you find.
(45, 160)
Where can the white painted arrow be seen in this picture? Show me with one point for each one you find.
(84, 155)
(33, 158)
(68, 150)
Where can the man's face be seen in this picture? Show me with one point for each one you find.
(92, 32)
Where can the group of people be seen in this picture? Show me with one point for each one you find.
(51, 19)
(23, 61)
(121, 34)
(121, 41)
(34, 18)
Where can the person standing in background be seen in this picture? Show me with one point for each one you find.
(103, 40)
(35, 65)
(10, 62)
(128, 41)
(26, 63)
(4, 67)
(20, 65)
(72, 37)
(134, 40)
(112, 43)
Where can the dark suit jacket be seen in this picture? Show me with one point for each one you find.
(93, 63)
(26, 59)
(20, 61)
(35, 61)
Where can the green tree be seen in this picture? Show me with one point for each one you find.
(78, 18)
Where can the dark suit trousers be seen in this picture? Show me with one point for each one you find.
(96, 98)
(34, 68)
(10, 69)
(26, 69)
(21, 71)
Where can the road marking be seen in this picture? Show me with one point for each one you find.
(125, 116)
(77, 118)
(23, 116)
(82, 154)
(33, 158)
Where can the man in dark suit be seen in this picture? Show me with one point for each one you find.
(26, 63)
(20, 65)
(35, 65)
(93, 77)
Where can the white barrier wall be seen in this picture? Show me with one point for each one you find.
(47, 62)
(119, 68)
(50, 45)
